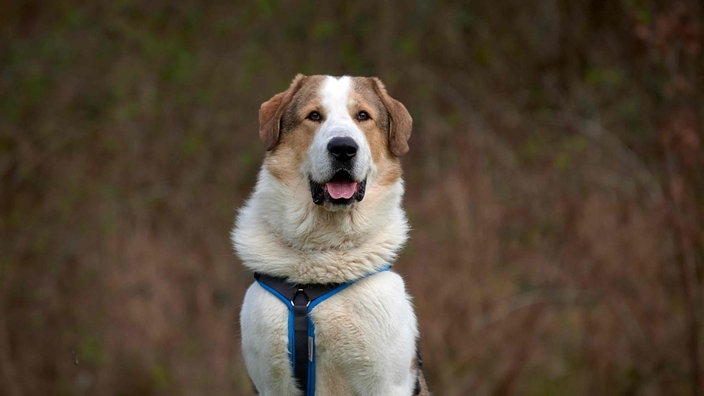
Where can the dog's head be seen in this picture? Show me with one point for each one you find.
(335, 135)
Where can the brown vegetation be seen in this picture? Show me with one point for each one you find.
(555, 185)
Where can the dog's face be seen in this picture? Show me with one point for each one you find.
(338, 137)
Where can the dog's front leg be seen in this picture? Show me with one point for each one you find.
(264, 325)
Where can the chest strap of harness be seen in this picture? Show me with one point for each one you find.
(300, 301)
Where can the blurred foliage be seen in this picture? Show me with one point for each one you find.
(555, 187)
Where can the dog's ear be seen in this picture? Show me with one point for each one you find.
(400, 121)
(270, 112)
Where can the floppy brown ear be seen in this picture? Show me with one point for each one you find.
(400, 123)
(270, 113)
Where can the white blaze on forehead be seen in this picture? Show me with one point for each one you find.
(335, 96)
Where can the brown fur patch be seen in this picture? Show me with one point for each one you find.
(365, 97)
(295, 137)
(401, 122)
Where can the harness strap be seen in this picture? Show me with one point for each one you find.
(300, 301)
(300, 338)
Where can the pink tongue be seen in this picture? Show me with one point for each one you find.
(339, 190)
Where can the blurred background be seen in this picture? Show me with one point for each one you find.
(555, 186)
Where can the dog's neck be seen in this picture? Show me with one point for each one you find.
(275, 234)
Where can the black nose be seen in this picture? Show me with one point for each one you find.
(342, 148)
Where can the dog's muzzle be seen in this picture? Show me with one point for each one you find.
(341, 188)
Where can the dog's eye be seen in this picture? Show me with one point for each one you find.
(315, 116)
(362, 116)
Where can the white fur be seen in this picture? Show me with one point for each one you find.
(366, 334)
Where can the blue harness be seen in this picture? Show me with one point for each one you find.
(300, 301)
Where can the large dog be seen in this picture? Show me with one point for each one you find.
(326, 210)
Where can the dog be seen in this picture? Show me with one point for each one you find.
(326, 210)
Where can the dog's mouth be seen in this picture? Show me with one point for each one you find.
(341, 189)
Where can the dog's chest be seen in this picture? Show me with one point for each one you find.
(352, 318)
(354, 329)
